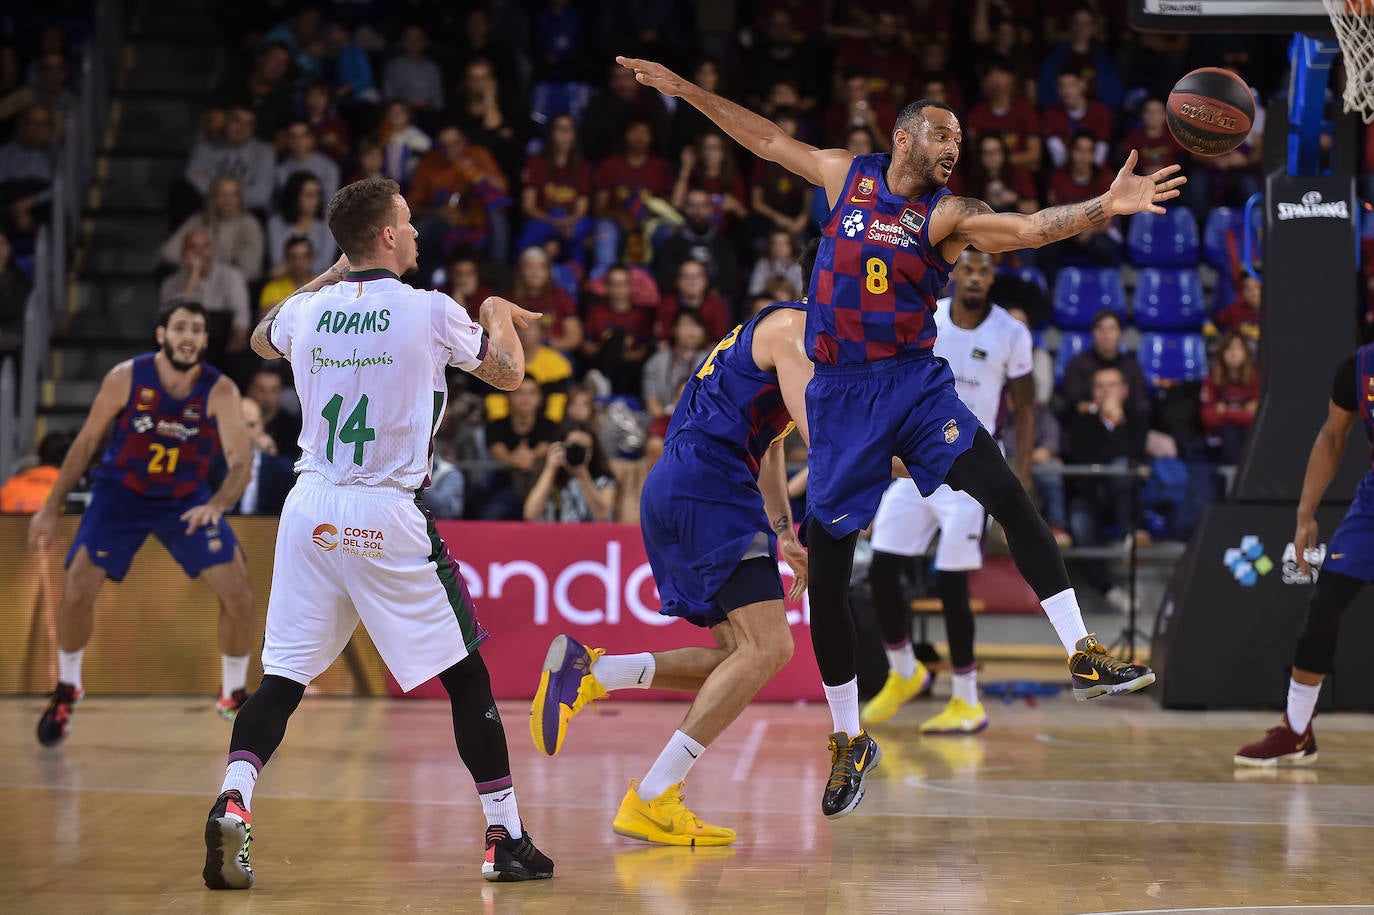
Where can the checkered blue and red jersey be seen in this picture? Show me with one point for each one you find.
(730, 400)
(162, 446)
(873, 290)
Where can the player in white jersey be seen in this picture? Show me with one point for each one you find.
(986, 349)
(355, 542)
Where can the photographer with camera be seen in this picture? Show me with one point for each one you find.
(576, 483)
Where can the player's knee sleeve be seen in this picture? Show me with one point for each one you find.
(831, 561)
(261, 724)
(477, 728)
(889, 599)
(953, 590)
(1316, 649)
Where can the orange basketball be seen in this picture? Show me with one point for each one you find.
(1210, 111)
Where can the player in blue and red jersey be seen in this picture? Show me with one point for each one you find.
(888, 245)
(171, 414)
(1349, 565)
(714, 512)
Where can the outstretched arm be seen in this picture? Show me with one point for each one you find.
(825, 168)
(961, 222)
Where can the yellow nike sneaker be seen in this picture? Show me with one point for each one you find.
(566, 687)
(895, 693)
(665, 820)
(1096, 673)
(958, 718)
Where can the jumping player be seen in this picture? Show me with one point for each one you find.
(713, 511)
(888, 245)
(355, 541)
(171, 414)
(1349, 565)
(986, 348)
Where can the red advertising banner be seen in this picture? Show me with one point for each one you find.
(531, 582)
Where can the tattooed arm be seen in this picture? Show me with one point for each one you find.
(503, 367)
(773, 486)
(961, 222)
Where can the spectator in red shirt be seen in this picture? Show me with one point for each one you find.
(881, 54)
(557, 193)
(330, 130)
(709, 165)
(464, 280)
(1075, 113)
(1080, 180)
(1242, 315)
(1003, 114)
(1004, 187)
(857, 106)
(1229, 398)
(692, 292)
(622, 188)
(535, 289)
(1152, 139)
(619, 335)
(778, 198)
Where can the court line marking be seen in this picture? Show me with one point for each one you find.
(1240, 908)
(909, 815)
(917, 781)
(751, 750)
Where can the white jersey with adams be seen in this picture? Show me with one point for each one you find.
(368, 355)
(983, 358)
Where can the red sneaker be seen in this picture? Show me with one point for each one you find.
(229, 708)
(56, 722)
(1281, 746)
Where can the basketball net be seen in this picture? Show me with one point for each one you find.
(1354, 24)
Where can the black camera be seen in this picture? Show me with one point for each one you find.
(575, 454)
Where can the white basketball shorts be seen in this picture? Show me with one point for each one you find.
(370, 553)
(907, 521)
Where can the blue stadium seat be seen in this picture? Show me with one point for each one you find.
(1167, 240)
(1221, 220)
(1168, 299)
(552, 99)
(1172, 358)
(1224, 292)
(1029, 274)
(1081, 292)
(1071, 344)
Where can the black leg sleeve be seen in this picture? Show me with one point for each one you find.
(953, 588)
(261, 724)
(983, 473)
(831, 562)
(889, 600)
(1317, 644)
(477, 727)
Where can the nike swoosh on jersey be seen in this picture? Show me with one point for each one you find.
(841, 518)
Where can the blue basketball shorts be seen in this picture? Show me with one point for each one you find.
(702, 515)
(1351, 549)
(861, 416)
(118, 520)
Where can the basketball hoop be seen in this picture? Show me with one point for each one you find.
(1354, 23)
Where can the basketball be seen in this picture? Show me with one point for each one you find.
(1210, 111)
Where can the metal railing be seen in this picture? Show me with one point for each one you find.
(73, 169)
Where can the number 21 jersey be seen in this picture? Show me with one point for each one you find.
(368, 355)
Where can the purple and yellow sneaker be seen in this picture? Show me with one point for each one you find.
(566, 686)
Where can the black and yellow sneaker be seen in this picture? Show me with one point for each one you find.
(1096, 673)
(513, 859)
(228, 833)
(851, 760)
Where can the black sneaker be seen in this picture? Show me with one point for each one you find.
(229, 708)
(514, 859)
(1096, 673)
(56, 722)
(850, 763)
(228, 833)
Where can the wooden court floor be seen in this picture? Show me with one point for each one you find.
(1065, 808)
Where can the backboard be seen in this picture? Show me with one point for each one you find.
(1231, 16)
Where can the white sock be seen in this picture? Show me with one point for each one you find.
(499, 807)
(233, 674)
(69, 666)
(844, 706)
(625, 671)
(241, 775)
(902, 659)
(671, 767)
(1066, 618)
(1302, 700)
(965, 685)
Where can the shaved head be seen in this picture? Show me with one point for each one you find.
(914, 114)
